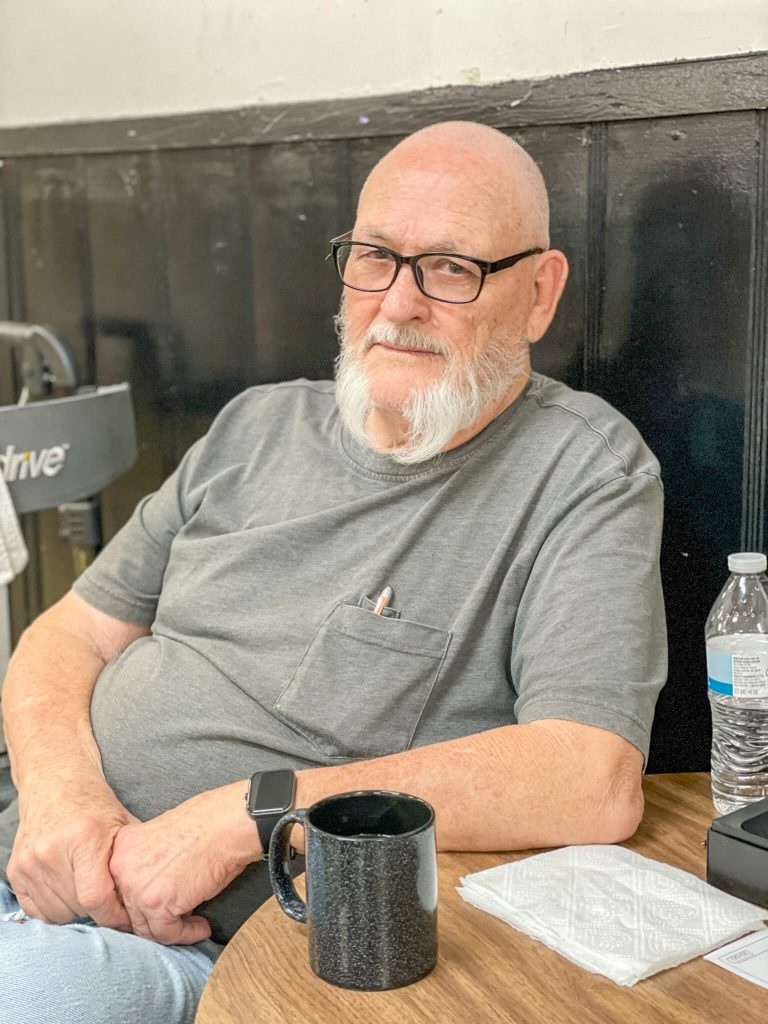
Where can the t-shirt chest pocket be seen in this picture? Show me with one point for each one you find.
(362, 683)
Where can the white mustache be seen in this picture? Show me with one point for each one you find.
(404, 338)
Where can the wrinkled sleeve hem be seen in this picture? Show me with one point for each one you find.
(141, 613)
(587, 713)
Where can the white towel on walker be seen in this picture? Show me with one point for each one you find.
(13, 551)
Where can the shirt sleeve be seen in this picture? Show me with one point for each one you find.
(126, 578)
(590, 641)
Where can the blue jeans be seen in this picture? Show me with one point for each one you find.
(81, 973)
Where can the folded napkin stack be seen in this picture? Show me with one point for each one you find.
(610, 910)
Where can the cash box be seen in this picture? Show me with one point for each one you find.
(737, 853)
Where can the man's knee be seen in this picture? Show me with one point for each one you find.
(82, 974)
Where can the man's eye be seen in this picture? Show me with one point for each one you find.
(453, 269)
(374, 255)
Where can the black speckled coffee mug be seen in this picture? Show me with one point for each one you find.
(371, 905)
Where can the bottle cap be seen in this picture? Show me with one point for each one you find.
(747, 561)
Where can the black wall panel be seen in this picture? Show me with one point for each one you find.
(755, 505)
(56, 275)
(7, 381)
(56, 268)
(130, 320)
(210, 280)
(300, 198)
(187, 255)
(208, 356)
(563, 152)
(675, 342)
(25, 589)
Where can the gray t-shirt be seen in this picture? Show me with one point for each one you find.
(524, 566)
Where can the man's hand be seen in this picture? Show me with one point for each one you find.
(59, 868)
(69, 816)
(165, 867)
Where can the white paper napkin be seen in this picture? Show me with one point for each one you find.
(610, 910)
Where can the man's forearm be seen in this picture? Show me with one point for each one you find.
(47, 691)
(68, 814)
(549, 783)
(46, 700)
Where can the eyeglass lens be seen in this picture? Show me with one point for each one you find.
(446, 277)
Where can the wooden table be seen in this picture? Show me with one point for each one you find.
(486, 970)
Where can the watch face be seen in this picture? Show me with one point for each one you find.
(273, 793)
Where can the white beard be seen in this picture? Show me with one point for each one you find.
(436, 413)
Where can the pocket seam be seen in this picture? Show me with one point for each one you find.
(432, 687)
(399, 646)
(295, 672)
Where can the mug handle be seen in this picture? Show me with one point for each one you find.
(282, 883)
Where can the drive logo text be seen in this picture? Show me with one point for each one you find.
(30, 465)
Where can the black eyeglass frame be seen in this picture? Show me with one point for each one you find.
(486, 266)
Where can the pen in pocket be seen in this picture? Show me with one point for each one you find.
(384, 598)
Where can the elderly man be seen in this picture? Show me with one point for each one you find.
(439, 575)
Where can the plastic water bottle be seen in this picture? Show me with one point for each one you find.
(737, 667)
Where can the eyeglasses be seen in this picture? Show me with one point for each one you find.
(445, 276)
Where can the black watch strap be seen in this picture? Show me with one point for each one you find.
(265, 826)
(270, 795)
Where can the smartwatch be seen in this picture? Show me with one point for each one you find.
(270, 795)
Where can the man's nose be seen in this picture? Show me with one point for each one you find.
(403, 301)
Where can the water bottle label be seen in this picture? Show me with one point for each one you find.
(738, 675)
(750, 675)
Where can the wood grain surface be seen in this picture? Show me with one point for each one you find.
(486, 970)
(733, 82)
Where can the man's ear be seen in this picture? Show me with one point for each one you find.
(548, 283)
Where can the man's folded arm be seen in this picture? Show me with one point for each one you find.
(547, 783)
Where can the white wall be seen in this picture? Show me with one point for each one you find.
(91, 59)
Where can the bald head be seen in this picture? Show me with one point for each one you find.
(483, 165)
